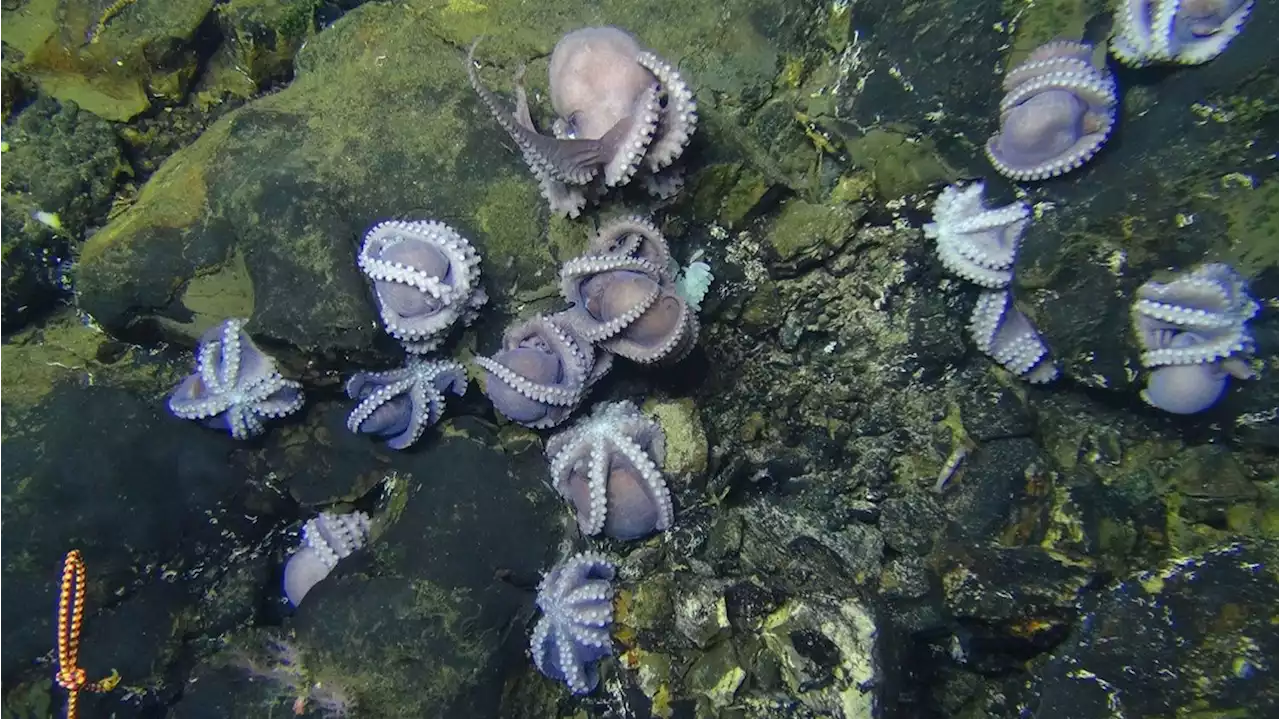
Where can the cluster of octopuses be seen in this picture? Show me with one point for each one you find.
(627, 297)
(623, 113)
(1057, 111)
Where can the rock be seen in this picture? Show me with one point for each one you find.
(423, 604)
(109, 63)
(263, 36)
(911, 524)
(287, 184)
(64, 161)
(804, 234)
(1029, 590)
(828, 654)
(148, 500)
(1194, 635)
(63, 165)
(992, 483)
(686, 440)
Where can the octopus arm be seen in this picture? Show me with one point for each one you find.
(572, 161)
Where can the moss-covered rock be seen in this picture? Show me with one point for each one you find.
(64, 161)
(109, 59)
(804, 234)
(379, 122)
(262, 36)
(62, 167)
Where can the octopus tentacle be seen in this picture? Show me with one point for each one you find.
(679, 119)
(538, 392)
(570, 161)
(635, 138)
(437, 264)
(235, 385)
(1084, 87)
(1007, 336)
(398, 405)
(1057, 111)
(684, 325)
(1053, 56)
(665, 184)
(578, 361)
(577, 271)
(541, 373)
(636, 237)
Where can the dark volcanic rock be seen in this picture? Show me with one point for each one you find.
(139, 494)
(425, 608)
(1195, 635)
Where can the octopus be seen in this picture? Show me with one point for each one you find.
(1185, 32)
(1004, 334)
(576, 600)
(398, 405)
(235, 386)
(542, 372)
(625, 297)
(608, 466)
(976, 242)
(326, 539)
(622, 111)
(1057, 111)
(980, 244)
(426, 277)
(1194, 337)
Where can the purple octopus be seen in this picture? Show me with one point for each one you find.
(608, 466)
(1057, 111)
(625, 297)
(976, 242)
(326, 539)
(620, 109)
(425, 276)
(542, 371)
(399, 404)
(980, 245)
(235, 384)
(576, 599)
(1003, 333)
(1193, 334)
(1186, 32)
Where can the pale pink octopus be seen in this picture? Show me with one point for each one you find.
(621, 110)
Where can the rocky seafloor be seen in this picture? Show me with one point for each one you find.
(1090, 556)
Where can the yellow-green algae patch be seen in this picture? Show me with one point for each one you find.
(686, 440)
(65, 350)
(142, 50)
(1035, 22)
(226, 291)
(1253, 222)
(509, 218)
(173, 199)
(898, 163)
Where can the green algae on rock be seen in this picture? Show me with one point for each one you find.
(804, 234)
(378, 122)
(290, 182)
(264, 35)
(147, 49)
(62, 167)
